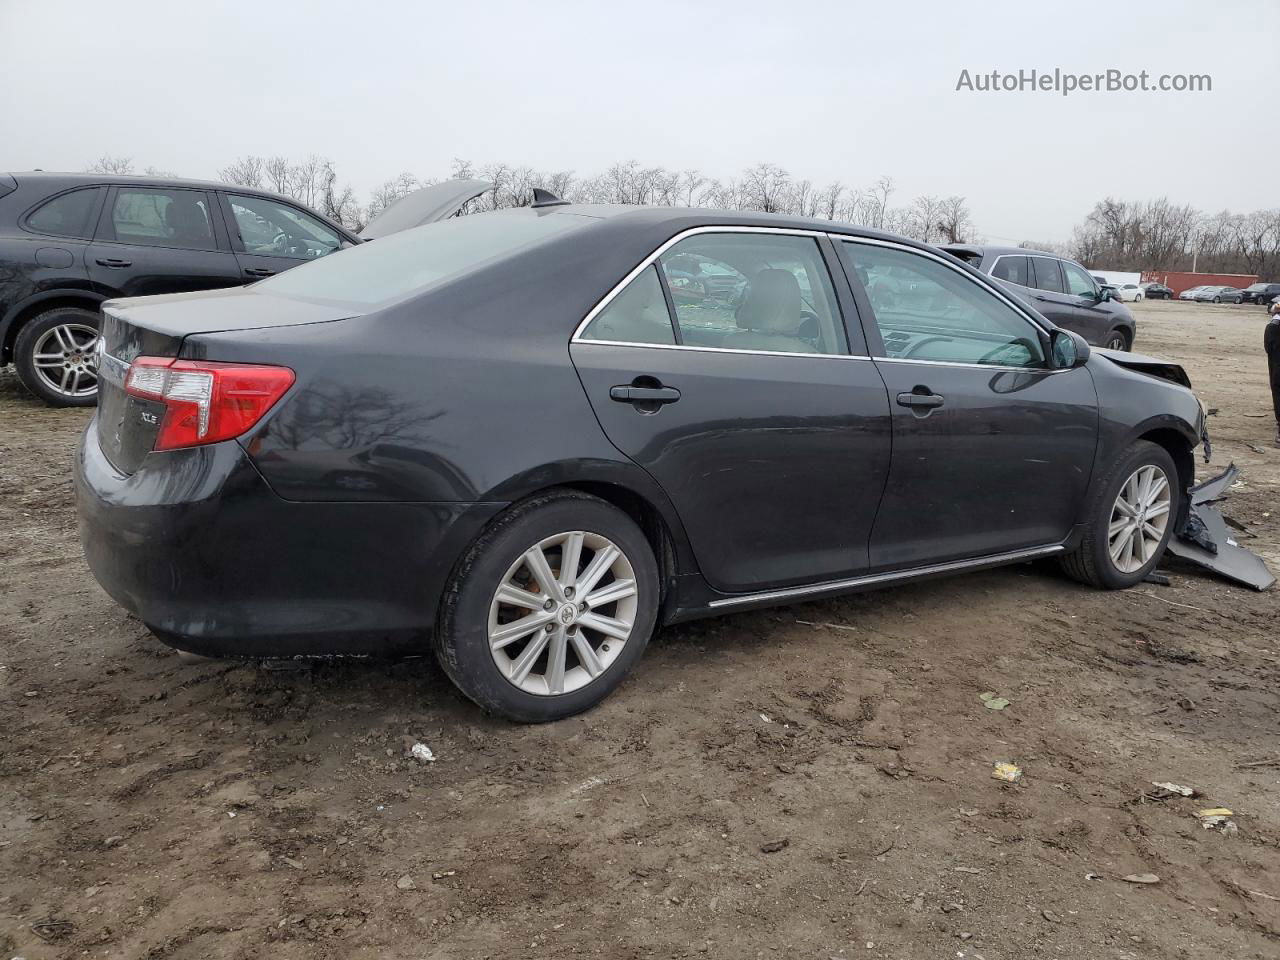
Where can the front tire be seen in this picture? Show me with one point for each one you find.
(1131, 517)
(549, 609)
(1116, 340)
(55, 356)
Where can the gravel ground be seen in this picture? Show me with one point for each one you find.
(811, 781)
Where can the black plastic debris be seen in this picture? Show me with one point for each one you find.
(1206, 540)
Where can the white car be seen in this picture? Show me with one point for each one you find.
(1190, 294)
(1129, 292)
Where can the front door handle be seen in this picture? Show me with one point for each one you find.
(258, 272)
(113, 262)
(921, 400)
(632, 394)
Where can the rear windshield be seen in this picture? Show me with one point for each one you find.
(387, 269)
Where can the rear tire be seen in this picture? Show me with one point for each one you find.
(54, 356)
(513, 674)
(1094, 561)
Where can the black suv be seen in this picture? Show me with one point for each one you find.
(1260, 293)
(70, 241)
(1059, 289)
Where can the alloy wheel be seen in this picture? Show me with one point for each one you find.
(66, 360)
(1116, 342)
(1139, 518)
(562, 613)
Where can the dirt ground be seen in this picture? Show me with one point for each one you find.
(156, 805)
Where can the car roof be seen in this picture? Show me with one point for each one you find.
(684, 218)
(54, 178)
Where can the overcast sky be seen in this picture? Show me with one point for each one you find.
(847, 91)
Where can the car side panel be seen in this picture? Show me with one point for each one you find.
(36, 267)
(371, 425)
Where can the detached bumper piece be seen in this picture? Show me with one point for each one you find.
(1206, 540)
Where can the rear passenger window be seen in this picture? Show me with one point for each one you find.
(1048, 274)
(753, 291)
(163, 218)
(1014, 269)
(66, 215)
(638, 314)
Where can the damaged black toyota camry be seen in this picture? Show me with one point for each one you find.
(524, 439)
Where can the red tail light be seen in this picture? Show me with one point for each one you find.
(205, 401)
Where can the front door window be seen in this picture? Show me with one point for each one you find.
(926, 310)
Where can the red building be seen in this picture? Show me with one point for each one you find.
(1185, 281)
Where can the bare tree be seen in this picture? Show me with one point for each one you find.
(111, 165)
(766, 187)
(879, 196)
(245, 171)
(954, 222)
(922, 218)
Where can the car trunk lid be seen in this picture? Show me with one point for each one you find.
(127, 425)
(427, 205)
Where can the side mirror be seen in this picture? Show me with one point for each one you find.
(1105, 294)
(1070, 350)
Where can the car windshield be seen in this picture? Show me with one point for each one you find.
(1255, 287)
(381, 271)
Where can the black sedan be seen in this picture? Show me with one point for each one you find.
(1157, 291)
(525, 439)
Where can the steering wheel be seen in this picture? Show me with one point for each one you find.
(1021, 342)
(922, 342)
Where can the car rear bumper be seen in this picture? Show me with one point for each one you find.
(198, 547)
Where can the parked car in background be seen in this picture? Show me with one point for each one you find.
(1130, 292)
(1060, 289)
(69, 241)
(1262, 293)
(1217, 294)
(555, 454)
(1190, 293)
(1157, 291)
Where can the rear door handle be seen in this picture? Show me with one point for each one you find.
(926, 401)
(258, 272)
(113, 262)
(632, 394)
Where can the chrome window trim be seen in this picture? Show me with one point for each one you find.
(835, 586)
(652, 258)
(989, 286)
(684, 346)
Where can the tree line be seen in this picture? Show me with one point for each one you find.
(1115, 235)
(1161, 235)
(764, 187)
